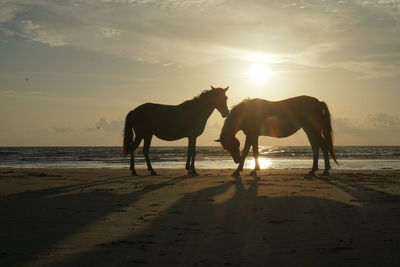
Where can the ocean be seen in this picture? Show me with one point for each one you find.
(208, 157)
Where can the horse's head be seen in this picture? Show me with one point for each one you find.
(232, 145)
(219, 100)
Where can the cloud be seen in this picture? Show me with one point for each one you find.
(356, 36)
(375, 129)
(384, 120)
(107, 32)
(112, 126)
(373, 123)
(89, 129)
(53, 129)
(58, 129)
(40, 33)
(8, 11)
(169, 3)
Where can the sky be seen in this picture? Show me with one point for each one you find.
(70, 70)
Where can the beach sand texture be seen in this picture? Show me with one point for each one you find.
(104, 217)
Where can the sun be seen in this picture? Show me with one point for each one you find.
(258, 73)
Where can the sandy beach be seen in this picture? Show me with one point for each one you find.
(104, 217)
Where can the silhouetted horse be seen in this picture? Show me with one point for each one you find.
(187, 119)
(257, 117)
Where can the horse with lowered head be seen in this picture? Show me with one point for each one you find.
(168, 122)
(279, 119)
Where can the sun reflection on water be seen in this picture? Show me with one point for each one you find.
(265, 163)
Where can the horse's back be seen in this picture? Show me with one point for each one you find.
(167, 122)
(304, 111)
(152, 111)
(300, 105)
(295, 107)
(303, 100)
(153, 108)
(280, 118)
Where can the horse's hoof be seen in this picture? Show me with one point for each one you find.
(326, 173)
(236, 174)
(253, 173)
(133, 173)
(193, 173)
(153, 173)
(310, 174)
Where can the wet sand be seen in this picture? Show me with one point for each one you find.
(104, 217)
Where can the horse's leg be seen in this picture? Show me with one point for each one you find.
(189, 155)
(255, 153)
(135, 145)
(146, 150)
(246, 148)
(314, 139)
(192, 146)
(326, 158)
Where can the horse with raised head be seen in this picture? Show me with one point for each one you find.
(168, 122)
(279, 119)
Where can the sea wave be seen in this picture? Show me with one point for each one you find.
(112, 156)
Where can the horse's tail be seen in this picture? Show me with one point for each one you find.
(128, 133)
(327, 131)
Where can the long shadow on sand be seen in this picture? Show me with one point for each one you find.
(253, 229)
(29, 221)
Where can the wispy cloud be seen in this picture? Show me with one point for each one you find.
(40, 33)
(385, 120)
(107, 32)
(8, 11)
(374, 129)
(372, 123)
(112, 126)
(358, 36)
(59, 129)
(169, 3)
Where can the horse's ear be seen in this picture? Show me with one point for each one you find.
(212, 87)
(218, 140)
(226, 89)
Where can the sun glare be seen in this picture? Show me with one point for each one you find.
(258, 73)
(265, 163)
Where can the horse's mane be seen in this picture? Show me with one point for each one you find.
(202, 94)
(195, 99)
(240, 105)
(236, 109)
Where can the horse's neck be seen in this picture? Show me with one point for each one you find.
(202, 107)
(228, 133)
(230, 128)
